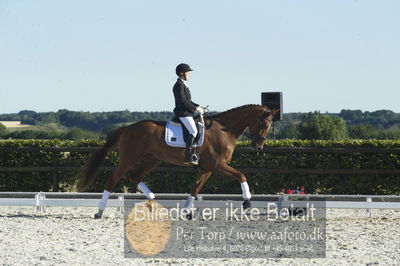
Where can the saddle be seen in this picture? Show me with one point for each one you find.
(176, 133)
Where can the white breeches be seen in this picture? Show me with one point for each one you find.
(189, 123)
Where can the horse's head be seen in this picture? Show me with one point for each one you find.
(259, 127)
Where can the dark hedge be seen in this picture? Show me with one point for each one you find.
(171, 182)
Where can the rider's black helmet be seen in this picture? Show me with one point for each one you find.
(182, 68)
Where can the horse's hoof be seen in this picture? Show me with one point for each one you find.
(246, 204)
(98, 215)
(189, 216)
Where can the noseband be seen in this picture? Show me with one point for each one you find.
(254, 137)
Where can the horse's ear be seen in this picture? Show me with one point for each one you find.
(274, 111)
(269, 112)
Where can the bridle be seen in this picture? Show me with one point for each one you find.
(258, 137)
(251, 136)
(254, 137)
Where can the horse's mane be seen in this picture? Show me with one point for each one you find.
(235, 110)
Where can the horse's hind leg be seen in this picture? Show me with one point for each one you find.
(118, 173)
(144, 167)
(189, 204)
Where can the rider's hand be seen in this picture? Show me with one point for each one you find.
(200, 109)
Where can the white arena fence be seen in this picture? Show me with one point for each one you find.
(40, 200)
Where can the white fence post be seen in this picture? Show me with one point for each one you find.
(282, 199)
(368, 212)
(200, 199)
(121, 209)
(39, 207)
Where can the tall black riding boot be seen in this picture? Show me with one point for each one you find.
(190, 153)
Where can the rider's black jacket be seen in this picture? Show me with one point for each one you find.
(183, 100)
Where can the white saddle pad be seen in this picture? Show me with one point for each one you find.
(174, 135)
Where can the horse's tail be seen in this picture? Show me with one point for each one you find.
(97, 160)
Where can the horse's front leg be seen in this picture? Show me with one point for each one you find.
(189, 204)
(230, 171)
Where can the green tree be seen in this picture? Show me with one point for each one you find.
(29, 121)
(22, 134)
(289, 132)
(362, 131)
(106, 132)
(351, 115)
(388, 134)
(3, 130)
(77, 133)
(326, 127)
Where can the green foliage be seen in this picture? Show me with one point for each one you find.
(325, 127)
(76, 133)
(41, 181)
(362, 131)
(110, 129)
(290, 131)
(3, 130)
(71, 134)
(382, 119)
(181, 182)
(32, 134)
(350, 143)
(96, 121)
(382, 124)
(29, 121)
(366, 131)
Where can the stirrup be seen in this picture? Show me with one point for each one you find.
(191, 162)
(191, 158)
(195, 159)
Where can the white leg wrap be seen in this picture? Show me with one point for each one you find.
(189, 204)
(245, 191)
(146, 191)
(103, 201)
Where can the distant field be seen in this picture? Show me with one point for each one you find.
(14, 125)
(17, 126)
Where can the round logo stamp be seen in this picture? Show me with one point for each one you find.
(148, 227)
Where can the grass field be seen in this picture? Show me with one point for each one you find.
(17, 126)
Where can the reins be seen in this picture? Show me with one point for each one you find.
(244, 133)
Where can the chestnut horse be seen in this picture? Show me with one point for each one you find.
(143, 144)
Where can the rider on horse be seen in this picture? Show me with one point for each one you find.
(184, 109)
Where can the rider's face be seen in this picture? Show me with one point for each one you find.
(186, 75)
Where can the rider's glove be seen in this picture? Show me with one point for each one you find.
(200, 109)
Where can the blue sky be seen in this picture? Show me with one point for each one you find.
(97, 55)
